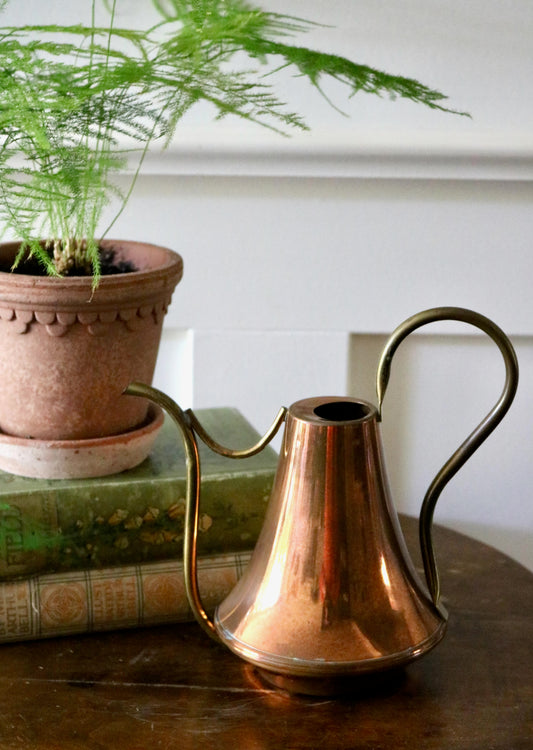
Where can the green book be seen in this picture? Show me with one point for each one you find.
(50, 525)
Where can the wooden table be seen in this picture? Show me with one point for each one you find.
(171, 687)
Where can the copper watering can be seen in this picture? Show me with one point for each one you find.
(331, 594)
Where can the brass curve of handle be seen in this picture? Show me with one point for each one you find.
(474, 440)
(192, 501)
(189, 425)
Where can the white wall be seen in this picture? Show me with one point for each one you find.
(301, 255)
(280, 272)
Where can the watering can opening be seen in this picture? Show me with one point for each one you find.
(343, 411)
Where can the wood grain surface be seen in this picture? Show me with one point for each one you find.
(171, 687)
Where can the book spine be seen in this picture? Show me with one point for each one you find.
(121, 524)
(86, 601)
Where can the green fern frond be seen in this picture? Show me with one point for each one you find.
(77, 101)
(316, 65)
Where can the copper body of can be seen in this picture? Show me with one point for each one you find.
(330, 590)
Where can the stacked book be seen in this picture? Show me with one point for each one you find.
(98, 554)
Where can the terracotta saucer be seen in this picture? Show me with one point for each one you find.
(80, 459)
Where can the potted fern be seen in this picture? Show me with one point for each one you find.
(79, 311)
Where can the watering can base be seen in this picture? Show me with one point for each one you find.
(318, 677)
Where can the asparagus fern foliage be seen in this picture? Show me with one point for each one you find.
(77, 102)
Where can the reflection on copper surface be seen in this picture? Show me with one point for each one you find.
(384, 574)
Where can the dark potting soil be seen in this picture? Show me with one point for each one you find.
(109, 265)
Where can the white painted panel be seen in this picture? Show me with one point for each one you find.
(348, 255)
(333, 153)
(260, 371)
(440, 388)
(174, 370)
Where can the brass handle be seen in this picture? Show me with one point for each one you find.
(474, 440)
(190, 427)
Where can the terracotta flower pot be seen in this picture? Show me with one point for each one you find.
(66, 353)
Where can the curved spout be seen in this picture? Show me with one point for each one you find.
(189, 425)
(182, 419)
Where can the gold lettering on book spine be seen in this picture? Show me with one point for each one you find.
(15, 611)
